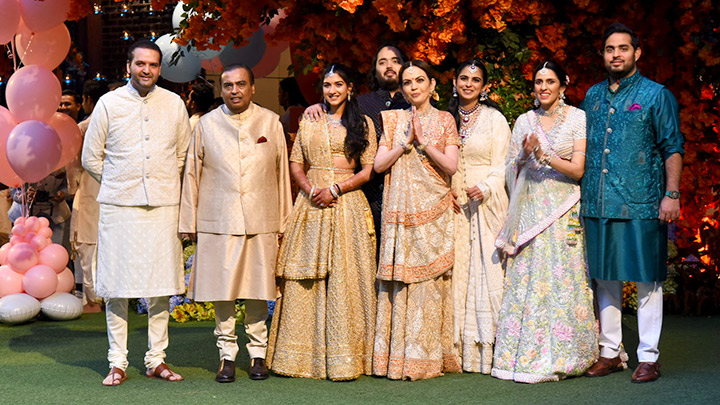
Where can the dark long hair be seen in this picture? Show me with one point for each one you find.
(559, 71)
(354, 123)
(454, 104)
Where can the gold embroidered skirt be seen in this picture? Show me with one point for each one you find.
(323, 326)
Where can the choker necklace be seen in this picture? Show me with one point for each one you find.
(333, 121)
(551, 112)
(466, 113)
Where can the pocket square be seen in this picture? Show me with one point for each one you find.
(635, 106)
(262, 139)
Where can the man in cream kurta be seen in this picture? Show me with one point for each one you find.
(85, 210)
(135, 147)
(235, 199)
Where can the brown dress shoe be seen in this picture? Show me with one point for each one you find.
(226, 374)
(605, 366)
(646, 372)
(258, 369)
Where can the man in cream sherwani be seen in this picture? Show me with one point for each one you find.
(135, 147)
(235, 200)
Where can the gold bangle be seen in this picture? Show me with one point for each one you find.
(423, 146)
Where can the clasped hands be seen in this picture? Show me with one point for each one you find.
(323, 198)
(531, 145)
(415, 136)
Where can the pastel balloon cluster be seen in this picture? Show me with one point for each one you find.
(30, 263)
(35, 139)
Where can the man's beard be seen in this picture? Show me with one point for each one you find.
(389, 85)
(617, 75)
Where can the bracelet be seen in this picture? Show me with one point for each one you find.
(312, 192)
(423, 146)
(339, 190)
(582, 153)
(406, 146)
(545, 159)
(333, 192)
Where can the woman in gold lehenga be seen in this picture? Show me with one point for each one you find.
(324, 321)
(414, 329)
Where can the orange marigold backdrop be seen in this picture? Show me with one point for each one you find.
(680, 41)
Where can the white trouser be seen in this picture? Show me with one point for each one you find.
(650, 313)
(256, 313)
(116, 313)
(84, 273)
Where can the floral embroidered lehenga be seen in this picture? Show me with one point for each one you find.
(546, 328)
(414, 321)
(324, 322)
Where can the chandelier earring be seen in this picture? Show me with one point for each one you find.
(454, 92)
(561, 103)
(349, 96)
(483, 95)
(536, 102)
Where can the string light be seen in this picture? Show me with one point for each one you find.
(153, 35)
(127, 76)
(124, 9)
(97, 7)
(68, 79)
(126, 36)
(99, 77)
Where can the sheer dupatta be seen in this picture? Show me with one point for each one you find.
(539, 195)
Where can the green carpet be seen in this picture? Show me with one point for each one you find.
(64, 362)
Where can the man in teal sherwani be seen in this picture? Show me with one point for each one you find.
(629, 194)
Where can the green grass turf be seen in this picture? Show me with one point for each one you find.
(47, 362)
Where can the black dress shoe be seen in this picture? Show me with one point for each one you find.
(226, 374)
(258, 369)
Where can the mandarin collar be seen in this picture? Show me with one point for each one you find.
(625, 82)
(239, 117)
(133, 92)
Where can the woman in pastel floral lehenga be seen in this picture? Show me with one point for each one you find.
(324, 323)
(546, 328)
(413, 337)
(479, 185)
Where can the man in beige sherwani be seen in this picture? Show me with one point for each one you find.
(235, 201)
(135, 147)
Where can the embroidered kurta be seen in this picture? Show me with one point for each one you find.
(85, 210)
(324, 322)
(414, 328)
(236, 188)
(478, 273)
(631, 132)
(546, 327)
(135, 146)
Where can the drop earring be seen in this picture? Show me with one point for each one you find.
(454, 92)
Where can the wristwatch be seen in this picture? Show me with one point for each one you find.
(672, 194)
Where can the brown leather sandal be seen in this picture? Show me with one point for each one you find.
(157, 372)
(118, 377)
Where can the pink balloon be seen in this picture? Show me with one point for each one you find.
(42, 15)
(45, 231)
(7, 123)
(45, 48)
(29, 236)
(54, 256)
(269, 61)
(33, 150)
(9, 20)
(66, 281)
(44, 223)
(32, 224)
(14, 240)
(40, 281)
(39, 242)
(10, 281)
(4, 252)
(19, 230)
(33, 93)
(21, 257)
(70, 137)
(20, 221)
